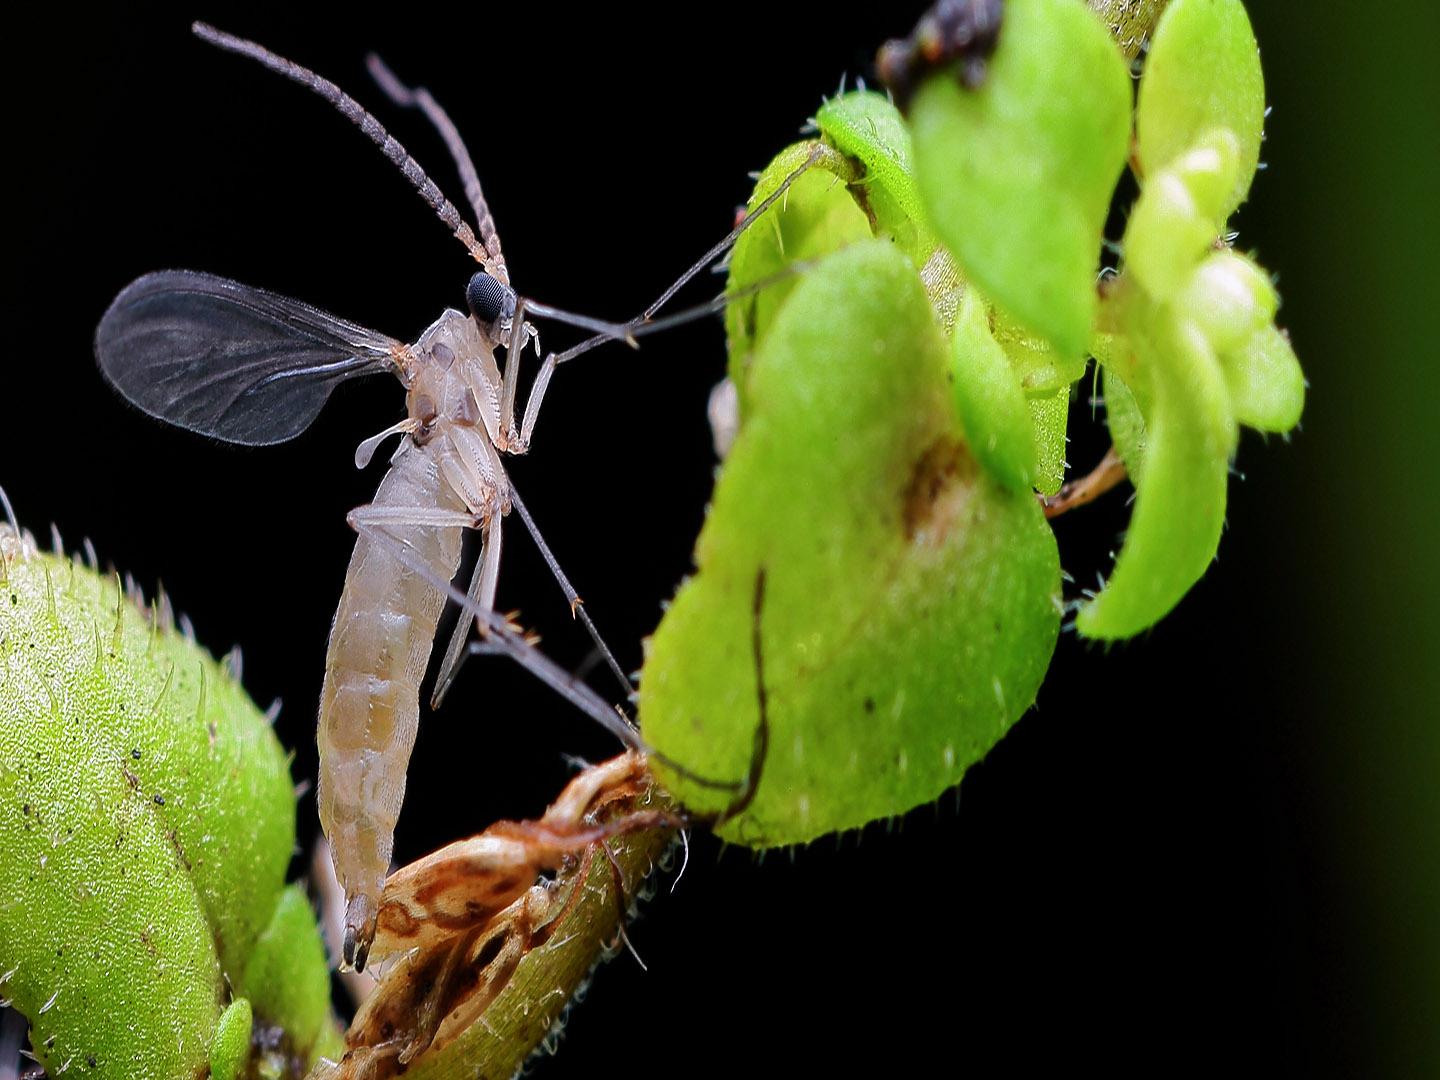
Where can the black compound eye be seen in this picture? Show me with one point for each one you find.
(489, 299)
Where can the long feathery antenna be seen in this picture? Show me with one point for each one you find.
(373, 129)
(419, 98)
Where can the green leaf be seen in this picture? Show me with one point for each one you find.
(1203, 73)
(1041, 368)
(1049, 414)
(1267, 387)
(146, 814)
(230, 1049)
(288, 977)
(1017, 176)
(816, 216)
(912, 602)
(1229, 298)
(1180, 213)
(988, 395)
(1180, 503)
(865, 126)
(1126, 424)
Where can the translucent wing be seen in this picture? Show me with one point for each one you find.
(214, 356)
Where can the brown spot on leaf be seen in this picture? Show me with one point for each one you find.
(937, 492)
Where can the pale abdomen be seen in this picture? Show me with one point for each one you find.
(369, 708)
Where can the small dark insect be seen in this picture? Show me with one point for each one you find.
(963, 32)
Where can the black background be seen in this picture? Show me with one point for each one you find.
(1155, 869)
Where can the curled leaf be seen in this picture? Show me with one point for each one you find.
(1180, 212)
(816, 216)
(1229, 298)
(865, 126)
(1049, 414)
(1126, 424)
(230, 1047)
(1180, 506)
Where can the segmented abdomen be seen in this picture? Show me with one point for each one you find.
(369, 707)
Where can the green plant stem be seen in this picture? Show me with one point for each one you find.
(546, 981)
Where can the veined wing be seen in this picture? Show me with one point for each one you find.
(224, 359)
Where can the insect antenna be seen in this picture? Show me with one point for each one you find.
(419, 98)
(372, 128)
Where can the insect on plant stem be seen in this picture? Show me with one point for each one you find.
(252, 367)
(455, 926)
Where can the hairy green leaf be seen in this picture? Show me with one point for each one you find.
(147, 817)
(816, 216)
(866, 127)
(912, 602)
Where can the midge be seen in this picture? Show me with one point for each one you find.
(252, 367)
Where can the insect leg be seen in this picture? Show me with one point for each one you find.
(577, 606)
(483, 582)
(503, 637)
(510, 373)
(699, 311)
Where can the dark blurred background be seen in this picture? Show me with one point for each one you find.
(1217, 846)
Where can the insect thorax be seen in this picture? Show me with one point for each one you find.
(454, 379)
(454, 400)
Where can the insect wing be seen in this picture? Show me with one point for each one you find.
(220, 358)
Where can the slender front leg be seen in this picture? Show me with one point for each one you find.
(532, 404)
(511, 375)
